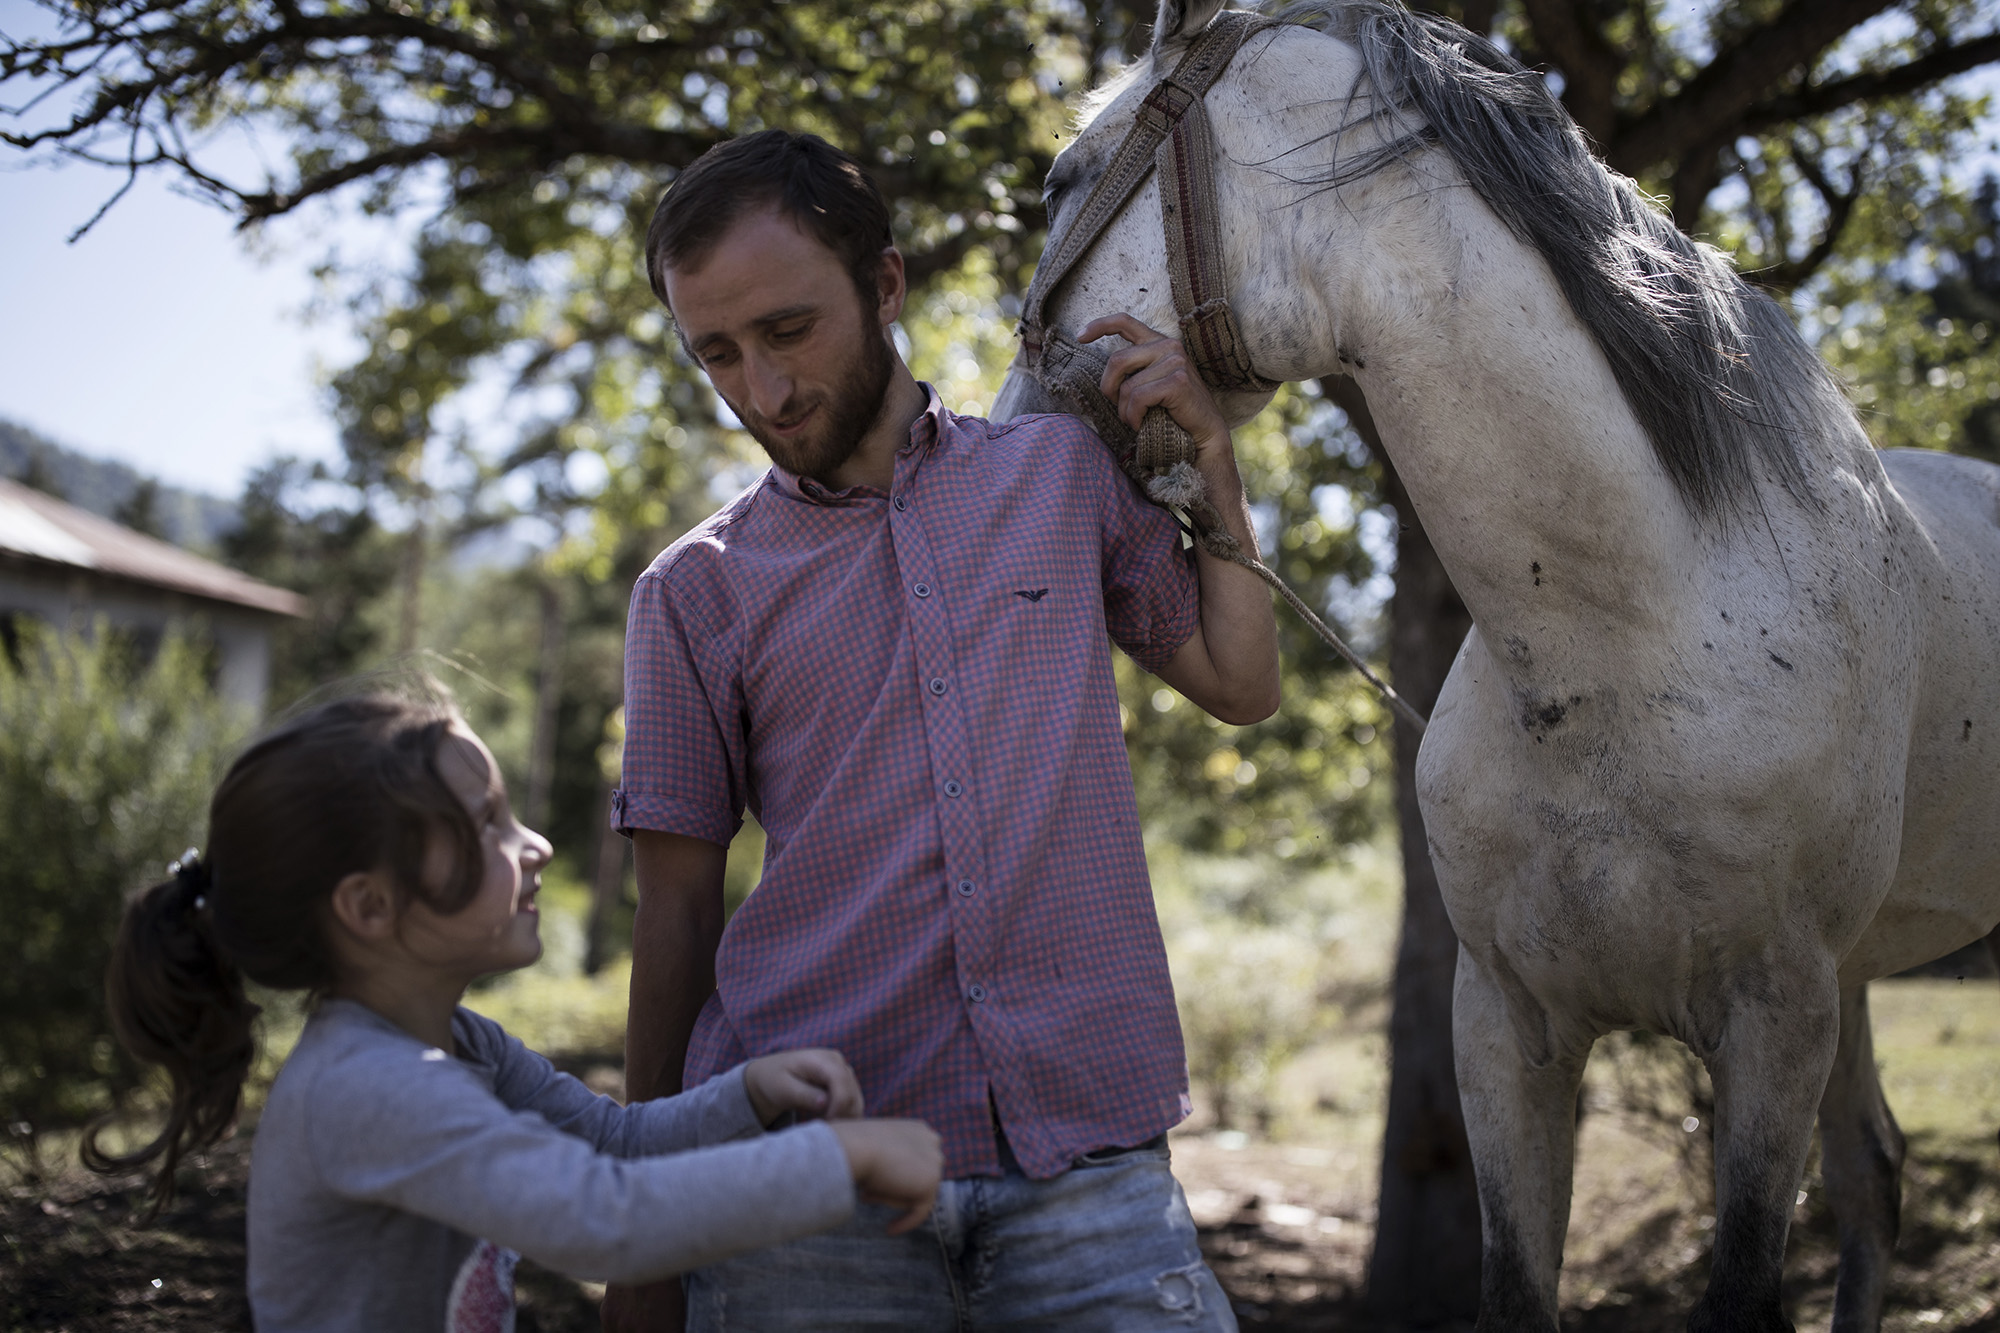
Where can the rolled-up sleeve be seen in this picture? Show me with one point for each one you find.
(685, 764)
(1152, 600)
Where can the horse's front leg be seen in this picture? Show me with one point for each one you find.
(1520, 1118)
(1769, 1071)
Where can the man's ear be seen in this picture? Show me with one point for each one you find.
(1178, 20)
(365, 905)
(891, 287)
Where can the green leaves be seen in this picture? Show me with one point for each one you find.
(106, 763)
(1315, 778)
(1919, 348)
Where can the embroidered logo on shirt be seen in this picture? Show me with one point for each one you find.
(482, 1296)
(1032, 594)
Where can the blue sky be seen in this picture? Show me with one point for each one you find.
(158, 338)
(162, 338)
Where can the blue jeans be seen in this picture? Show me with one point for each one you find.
(1108, 1245)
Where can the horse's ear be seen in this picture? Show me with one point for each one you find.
(1179, 20)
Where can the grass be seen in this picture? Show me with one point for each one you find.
(1937, 1043)
(1640, 1229)
(1289, 1216)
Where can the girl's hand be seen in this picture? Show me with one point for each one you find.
(814, 1083)
(896, 1162)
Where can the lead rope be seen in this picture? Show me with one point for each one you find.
(1171, 136)
(1217, 542)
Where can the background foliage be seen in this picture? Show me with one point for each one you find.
(106, 763)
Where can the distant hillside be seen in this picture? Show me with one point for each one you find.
(185, 518)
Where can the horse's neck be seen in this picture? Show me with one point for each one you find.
(1534, 481)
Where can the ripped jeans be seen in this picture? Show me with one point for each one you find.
(1108, 1246)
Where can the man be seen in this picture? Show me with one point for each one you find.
(892, 650)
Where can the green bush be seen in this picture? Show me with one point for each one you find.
(106, 765)
(1267, 959)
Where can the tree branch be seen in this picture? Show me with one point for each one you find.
(1695, 177)
(1787, 276)
(1709, 106)
(1572, 37)
(207, 64)
(1939, 63)
(629, 143)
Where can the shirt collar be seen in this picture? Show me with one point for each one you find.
(925, 432)
(928, 428)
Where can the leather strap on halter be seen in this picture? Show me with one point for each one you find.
(1170, 133)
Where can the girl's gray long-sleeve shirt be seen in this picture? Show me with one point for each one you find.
(391, 1184)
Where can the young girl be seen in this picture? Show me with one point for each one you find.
(365, 853)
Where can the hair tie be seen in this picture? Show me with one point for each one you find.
(192, 877)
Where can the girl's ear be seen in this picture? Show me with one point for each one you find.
(364, 905)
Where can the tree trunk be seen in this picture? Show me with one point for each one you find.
(607, 885)
(548, 695)
(411, 619)
(1425, 1267)
(416, 551)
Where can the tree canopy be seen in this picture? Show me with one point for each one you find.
(528, 140)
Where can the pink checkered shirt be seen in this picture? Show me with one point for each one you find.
(913, 694)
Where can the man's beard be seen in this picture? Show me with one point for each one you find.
(844, 418)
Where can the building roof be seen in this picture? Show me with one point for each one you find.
(39, 527)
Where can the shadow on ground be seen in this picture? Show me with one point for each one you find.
(71, 1260)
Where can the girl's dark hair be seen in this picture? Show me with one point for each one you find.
(349, 786)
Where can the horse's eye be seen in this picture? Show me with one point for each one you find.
(1052, 194)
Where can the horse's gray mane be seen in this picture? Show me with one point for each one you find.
(1711, 367)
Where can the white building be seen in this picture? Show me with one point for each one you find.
(67, 567)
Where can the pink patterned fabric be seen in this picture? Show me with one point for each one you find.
(482, 1296)
(913, 694)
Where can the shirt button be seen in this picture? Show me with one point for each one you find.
(952, 789)
(902, 503)
(965, 888)
(937, 684)
(922, 590)
(977, 993)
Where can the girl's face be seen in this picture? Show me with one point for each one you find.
(500, 929)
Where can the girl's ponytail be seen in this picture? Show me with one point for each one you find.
(351, 785)
(177, 1001)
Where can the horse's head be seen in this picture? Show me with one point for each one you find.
(1275, 132)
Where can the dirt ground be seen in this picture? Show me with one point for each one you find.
(1288, 1229)
(1286, 1219)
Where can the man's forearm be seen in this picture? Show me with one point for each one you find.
(674, 935)
(1237, 618)
(1229, 665)
(1239, 631)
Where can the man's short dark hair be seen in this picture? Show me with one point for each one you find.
(821, 189)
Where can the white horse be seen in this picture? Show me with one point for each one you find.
(1724, 744)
